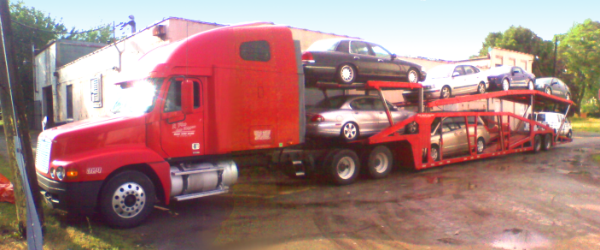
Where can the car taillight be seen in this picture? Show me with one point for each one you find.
(317, 118)
(308, 57)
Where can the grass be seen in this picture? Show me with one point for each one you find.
(63, 231)
(586, 124)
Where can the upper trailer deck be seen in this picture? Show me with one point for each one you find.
(518, 96)
(370, 85)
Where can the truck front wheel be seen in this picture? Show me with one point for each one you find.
(127, 199)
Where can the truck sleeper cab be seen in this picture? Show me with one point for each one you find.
(188, 107)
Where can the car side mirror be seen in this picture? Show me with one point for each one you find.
(187, 96)
(394, 56)
(455, 74)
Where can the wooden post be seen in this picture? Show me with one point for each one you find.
(17, 131)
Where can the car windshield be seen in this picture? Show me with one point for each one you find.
(439, 72)
(137, 97)
(324, 45)
(331, 103)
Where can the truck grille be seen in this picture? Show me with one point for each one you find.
(42, 158)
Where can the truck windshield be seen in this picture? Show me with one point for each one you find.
(137, 97)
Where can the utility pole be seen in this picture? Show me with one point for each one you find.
(27, 194)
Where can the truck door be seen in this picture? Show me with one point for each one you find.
(182, 135)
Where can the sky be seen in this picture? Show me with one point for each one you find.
(442, 29)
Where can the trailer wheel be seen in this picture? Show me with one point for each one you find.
(480, 145)
(380, 162)
(343, 166)
(435, 152)
(537, 143)
(127, 199)
(547, 142)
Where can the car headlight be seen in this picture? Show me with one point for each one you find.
(60, 173)
(52, 172)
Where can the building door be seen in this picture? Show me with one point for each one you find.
(48, 106)
(182, 135)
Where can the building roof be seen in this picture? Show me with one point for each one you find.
(513, 51)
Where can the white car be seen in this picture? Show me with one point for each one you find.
(444, 81)
(553, 120)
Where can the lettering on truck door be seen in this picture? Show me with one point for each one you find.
(182, 134)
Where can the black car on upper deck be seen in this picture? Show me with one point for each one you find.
(349, 60)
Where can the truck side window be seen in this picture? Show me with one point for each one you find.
(256, 51)
(196, 94)
(173, 101)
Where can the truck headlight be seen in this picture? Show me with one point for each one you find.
(52, 172)
(60, 173)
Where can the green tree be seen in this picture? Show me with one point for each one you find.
(102, 34)
(30, 27)
(580, 52)
(523, 40)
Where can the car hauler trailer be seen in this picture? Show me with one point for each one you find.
(192, 105)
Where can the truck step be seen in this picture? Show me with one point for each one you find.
(202, 194)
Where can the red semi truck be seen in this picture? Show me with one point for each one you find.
(192, 105)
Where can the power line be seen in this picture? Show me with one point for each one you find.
(58, 33)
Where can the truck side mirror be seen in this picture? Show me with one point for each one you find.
(187, 96)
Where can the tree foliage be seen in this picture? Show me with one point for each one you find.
(524, 40)
(580, 52)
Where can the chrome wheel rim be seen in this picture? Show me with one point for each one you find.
(480, 146)
(548, 91)
(128, 200)
(412, 76)
(345, 167)
(347, 73)
(481, 88)
(434, 154)
(381, 162)
(445, 92)
(529, 85)
(349, 131)
(505, 84)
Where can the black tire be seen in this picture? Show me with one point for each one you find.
(380, 162)
(346, 74)
(530, 85)
(548, 90)
(505, 84)
(445, 92)
(412, 76)
(537, 143)
(547, 142)
(570, 134)
(343, 166)
(136, 194)
(481, 88)
(435, 152)
(480, 149)
(350, 131)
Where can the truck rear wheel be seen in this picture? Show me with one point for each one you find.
(343, 166)
(537, 143)
(127, 199)
(380, 162)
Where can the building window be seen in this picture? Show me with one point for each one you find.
(69, 101)
(96, 91)
(256, 51)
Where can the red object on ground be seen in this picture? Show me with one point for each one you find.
(7, 193)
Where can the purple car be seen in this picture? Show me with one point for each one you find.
(510, 77)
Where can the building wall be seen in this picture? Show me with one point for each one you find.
(513, 58)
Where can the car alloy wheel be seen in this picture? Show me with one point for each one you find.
(435, 153)
(445, 92)
(505, 85)
(346, 74)
(350, 131)
(480, 145)
(529, 85)
(568, 97)
(413, 76)
(481, 88)
(548, 90)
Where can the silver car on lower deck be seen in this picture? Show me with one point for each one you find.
(351, 116)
